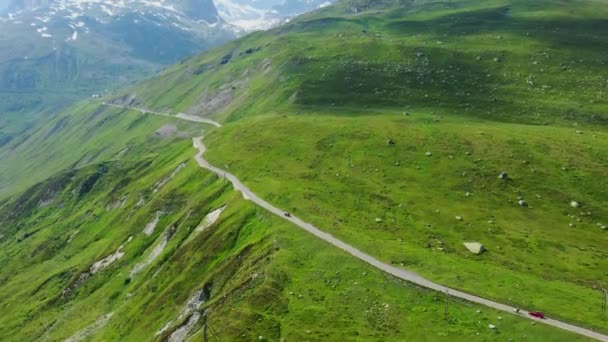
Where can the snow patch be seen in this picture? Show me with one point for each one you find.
(246, 17)
(107, 10)
(158, 4)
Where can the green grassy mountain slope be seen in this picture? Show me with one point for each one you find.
(511, 61)
(128, 250)
(484, 87)
(385, 124)
(82, 134)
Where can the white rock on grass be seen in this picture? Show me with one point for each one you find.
(107, 261)
(575, 204)
(149, 229)
(209, 219)
(474, 247)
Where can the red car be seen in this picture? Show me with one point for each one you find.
(537, 314)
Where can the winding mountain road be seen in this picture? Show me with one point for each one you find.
(181, 116)
(395, 271)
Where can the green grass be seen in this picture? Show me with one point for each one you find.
(267, 277)
(82, 134)
(341, 175)
(514, 81)
(504, 61)
(510, 82)
(486, 87)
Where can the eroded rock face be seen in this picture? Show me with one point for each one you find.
(474, 247)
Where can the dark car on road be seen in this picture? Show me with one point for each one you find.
(537, 314)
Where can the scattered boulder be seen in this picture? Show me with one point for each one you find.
(428, 154)
(523, 203)
(390, 142)
(458, 217)
(475, 247)
(503, 175)
(378, 220)
(575, 204)
(492, 326)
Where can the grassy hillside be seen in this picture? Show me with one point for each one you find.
(254, 274)
(343, 176)
(507, 61)
(485, 87)
(82, 134)
(384, 123)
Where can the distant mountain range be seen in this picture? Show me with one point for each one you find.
(55, 52)
(252, 15)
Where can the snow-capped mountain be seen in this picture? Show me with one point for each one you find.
(78, 47)
(251, 15)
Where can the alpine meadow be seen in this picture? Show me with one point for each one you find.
(372, 170)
